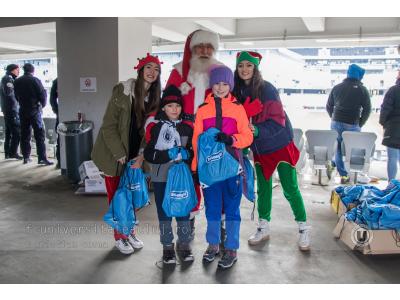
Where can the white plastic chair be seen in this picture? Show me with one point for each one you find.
(320, 148)
(357, 149)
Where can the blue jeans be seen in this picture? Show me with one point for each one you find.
(166, 234)
(226, 194)
(340, 127)
(393, 159)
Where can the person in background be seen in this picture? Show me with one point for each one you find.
(273, 146)
(32, 98)
(121, 136)
(54, 107)
(390, 120)
(349, 107)
(10, 109)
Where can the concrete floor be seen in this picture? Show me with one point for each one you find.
(50, 235)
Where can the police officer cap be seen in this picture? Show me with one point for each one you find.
(28, 68)
(11, 67)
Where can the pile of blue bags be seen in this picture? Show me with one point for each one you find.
(375, 208)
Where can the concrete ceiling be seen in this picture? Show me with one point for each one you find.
(169, 34)
(238, 33)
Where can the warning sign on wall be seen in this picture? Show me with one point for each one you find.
(88, 84)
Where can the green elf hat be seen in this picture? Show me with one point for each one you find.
(250, 56)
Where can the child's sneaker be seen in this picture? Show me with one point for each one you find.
(135, 242)
(211, 252)
(169, 257)
(184, 252)
(304, 236)
(228, 259)
(124, 247)
(262, 233)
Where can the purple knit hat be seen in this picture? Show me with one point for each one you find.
(221, 73)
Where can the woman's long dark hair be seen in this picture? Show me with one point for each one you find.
(256, 86)
(153, 99)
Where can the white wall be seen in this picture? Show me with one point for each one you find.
(134, 41)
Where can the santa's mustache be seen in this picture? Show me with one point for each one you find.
(201, 63)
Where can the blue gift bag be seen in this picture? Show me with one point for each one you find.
(131, 194)
(215, 163)
(248, 180)
(137, 184)
(120, 214)
(180, 196)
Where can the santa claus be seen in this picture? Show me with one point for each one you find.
(191, 75)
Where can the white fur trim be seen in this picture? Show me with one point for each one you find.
(193, 214)
(200, 82)
(178, 67)
(129, 86)
(185, 88)
(205, 37)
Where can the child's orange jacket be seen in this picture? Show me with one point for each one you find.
(234, 122)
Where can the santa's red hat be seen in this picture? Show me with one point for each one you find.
(148, 59)
(196, 38)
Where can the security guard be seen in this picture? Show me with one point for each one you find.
(32, 97)
(10, 109)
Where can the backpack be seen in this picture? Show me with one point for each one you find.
(215, 163)
(180, 196)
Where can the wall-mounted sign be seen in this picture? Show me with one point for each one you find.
(88, 84)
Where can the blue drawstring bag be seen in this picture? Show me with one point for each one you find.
(248, 180)
(137, 184)
(180, 196)
(371, 213)
(120, 214)
(390, 218)
(215, 163)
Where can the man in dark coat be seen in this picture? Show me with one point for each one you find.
(390, 120)
(349, 106)
(10, 109)
(32, 97)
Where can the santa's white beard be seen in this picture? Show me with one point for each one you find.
(198, 77)
(201, 65)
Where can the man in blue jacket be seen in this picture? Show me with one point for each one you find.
(10, 108)
(349, 106)
(32, 97)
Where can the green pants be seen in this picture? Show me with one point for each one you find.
(288, 178)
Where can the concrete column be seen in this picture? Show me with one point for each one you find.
(104, 48)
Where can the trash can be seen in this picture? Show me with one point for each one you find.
(77, 138)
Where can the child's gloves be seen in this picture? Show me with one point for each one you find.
(173, 153)
(224, 138)
(184, 153)
(252, 108)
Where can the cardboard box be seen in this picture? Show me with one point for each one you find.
(95, 184)
(338, 206)
(88, 169)
(365, 240)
